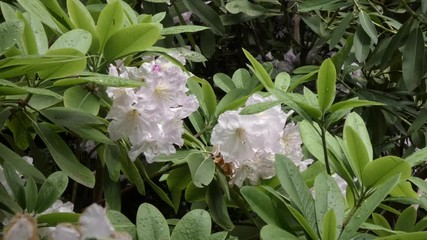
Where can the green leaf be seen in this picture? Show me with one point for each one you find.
(19, 164)
(15, 184)
(224, 82)
(73, 66)
(109, 22)
(259, 71)
(380, 220)
(413, 59)
(51, 190)
(36, 9)
(202, 169)
(182, 29)
(406, 221)
(150, 223)
(177, 180)
(326, 79)
(246, 7)
(131, 171)
(330, 226)
(218, 207)
(291, 180)
(53, 219)
(356, 152)
(219, 236)
(282, 81)
(110, 154)
(261, 204)
(382, 169)
(121, 223)
(361, 44)
(412, 236)
(131, 39)
(30, 195)
(417, 157)
(303, 221)
(78, 39)
(25, 89)
(306, 6)
(82, 19)
(195, 225)
(352, 103)
(367, 207)
(79, 98)
(258, 107)
(64, 157)
(368, 26)
(33, 40)
(340, 30)
(271, 232)
(328, 197)
(206, 14)
(112, 192)
(105, 80)
(11, 31)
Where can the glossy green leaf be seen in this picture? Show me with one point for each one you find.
(262, 204)
(78, 39)
(19, 164)
(382, 169)
(417, 157)
(53, 219)
(110, 21)
(58, 14)
(406, 221)
(206, 14)
(361, 44)
(182, 29)
(131, 39)
(330, 226)
(356, 152)
(82, 19)
(38, 10)
(177, 180)
(367, 25)
(412, 236)
(195, 225)
(352, 103)
(413, 59)
(282, 81)
(291, 180)
(64, 69)
(259, 71)
(112, 192)
(202, 169)
(31, 194)
(51, 190)
(131, 172)
(8, 204)
(11, 31)
(307, 6)
(33, 40)
(246, 7)
(218, 207)
(304, 222)
(219, 236)
(150, 223)
(64, 157)
(404, 189)
(311, 139)
(367, 207)
(79, 98)
(271, 232)
(326, 80)
(15, 184)
(110, 154)
(340, 30)
(121, 223)
(380, 220)
(328, 197)
(258, 107)
(25, 89)
(100, 79)
(224, 82)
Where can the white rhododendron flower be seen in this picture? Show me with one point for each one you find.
(93, 224)
(250, 142)
(151, 116)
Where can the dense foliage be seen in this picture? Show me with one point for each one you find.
(223, 119)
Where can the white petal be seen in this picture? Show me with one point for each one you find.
(64, 232)
(94, 223)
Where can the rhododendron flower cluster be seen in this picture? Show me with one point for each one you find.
(151, 116)
(250, 142)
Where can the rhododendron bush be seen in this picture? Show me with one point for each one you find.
(193, 119)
